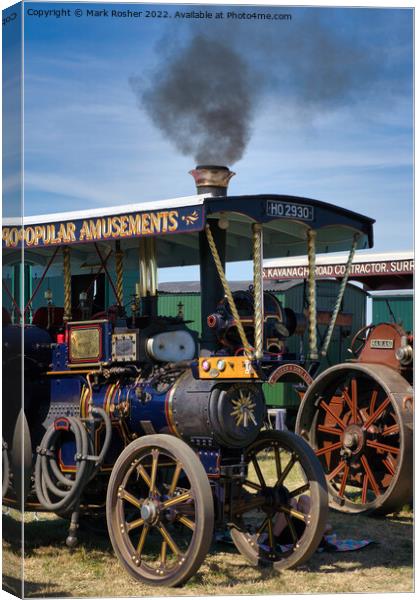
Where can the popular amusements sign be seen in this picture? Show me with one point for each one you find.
(110, 227)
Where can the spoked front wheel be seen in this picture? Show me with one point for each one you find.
(160, 510)
(280, 511)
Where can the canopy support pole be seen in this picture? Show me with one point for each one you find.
(148, 276)
(142, 268)
(313, 349)
(67, 284)
(40, 281)
(210, 284)
(152, 265)
(119, 269)
(227, 291)
(257, 234)
(340, 295)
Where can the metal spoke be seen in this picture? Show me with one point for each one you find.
(291, 526)
(350, 403)
(363, 413)
(344, 481)
(354, 399)
(186, 521)
(339, 422)
(332, 430)
(347, 398)
(177, 500)
(391, 430)
(370, 475)
(278, 461)
(155, 456)
(163, 553)
(336, 471)
(168, 539)
(263, 526)
(376, 414)
(389, 466)
(287, 470)
(175, 478)
(124, 495)
(364, 488)
(382, 447)
(270, 533)
(134, 524)
(329, 448)
(294, 513)
(142, 540)
(142, 471)
(299, 490)
(251, 484)
(258, 471)
(373, 399)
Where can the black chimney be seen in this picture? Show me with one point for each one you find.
(213, 180)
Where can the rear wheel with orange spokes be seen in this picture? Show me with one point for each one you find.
(160, 510)
(354, 418)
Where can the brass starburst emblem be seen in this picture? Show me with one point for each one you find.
(243, 411)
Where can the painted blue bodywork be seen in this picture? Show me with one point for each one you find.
(60, 357)
(152, 410)
(66, 390)
(149, 407)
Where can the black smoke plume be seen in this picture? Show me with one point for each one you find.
(203, 101)
(204, 96)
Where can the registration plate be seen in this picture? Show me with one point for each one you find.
(287, 210)
(382, 344)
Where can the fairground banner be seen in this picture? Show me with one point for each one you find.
(112, 227)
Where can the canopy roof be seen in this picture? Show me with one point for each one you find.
(175, 224)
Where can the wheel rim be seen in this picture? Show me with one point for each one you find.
(154, 516)
(360, 439)
(280, 514)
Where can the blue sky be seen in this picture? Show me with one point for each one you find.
(88, 144)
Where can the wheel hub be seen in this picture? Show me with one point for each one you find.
(281, 494)
(149, 512)
(353, 439)
(274, 497)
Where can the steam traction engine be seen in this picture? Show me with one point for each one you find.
(136, 410)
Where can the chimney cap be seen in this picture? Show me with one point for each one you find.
(212, 178)
(213, 167)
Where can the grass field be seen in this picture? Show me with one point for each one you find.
(51, 569)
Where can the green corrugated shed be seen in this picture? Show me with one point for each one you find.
(170, 304)
(385, 308)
